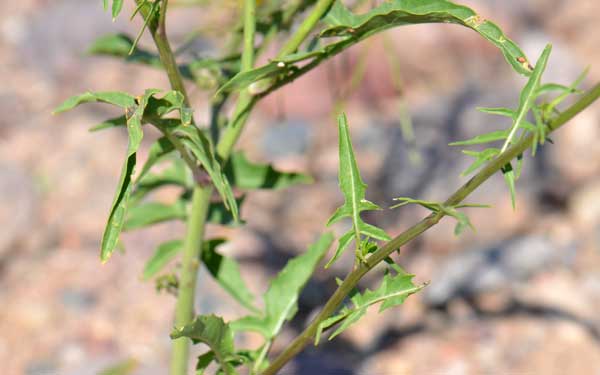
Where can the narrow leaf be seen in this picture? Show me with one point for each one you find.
(483, 138)
(528, 95)
(118, 210)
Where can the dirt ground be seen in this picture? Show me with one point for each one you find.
(518, 296)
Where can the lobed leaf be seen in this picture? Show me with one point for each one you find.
(281, 299)
(353, 189)
(392, 291)
(214, 332)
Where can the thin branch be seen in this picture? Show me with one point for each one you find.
(352, 279)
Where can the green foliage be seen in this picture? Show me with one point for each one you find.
(214, 332)
(281, 298)
(393, 291)
(245, 174)
(351, 29)
(462, 220)
(353, 189)
(185, 157)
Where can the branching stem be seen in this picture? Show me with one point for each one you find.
(352, 279)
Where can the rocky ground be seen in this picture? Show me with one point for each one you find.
(520, 295)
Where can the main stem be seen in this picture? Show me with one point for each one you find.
(184, 309)
(352, 279)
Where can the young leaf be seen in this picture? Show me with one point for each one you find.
(214, 332)
(117, 98)
(244, 174)
(462, 220)
(163, 255)
(353, 189)
(528, 95)
(480, 158)
(118, 210)
(483, 138)
(392, 291)
(227, 273)
(281, 298)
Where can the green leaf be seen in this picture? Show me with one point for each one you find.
(245, 174)
(161, 257)
(117, 98)
(353, 189)
(550, 87)
(176, 174)
(462, 220)
(119, 45)
(355, 28)
(214, 332)
(392, 291)
(117, 5)
(150, 213)
(195, 140)
(501, 111)
(480, 158)
(219, 214)
(226, 272)
(116, 218)
(110, 123)
(528, 95)
(281, 299)
(279, 66)
(483, 138)
(203, 361)
(407, 12)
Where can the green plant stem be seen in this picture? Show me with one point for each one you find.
(352, 279)
(245, 100)
(309, 23)
(184, 309)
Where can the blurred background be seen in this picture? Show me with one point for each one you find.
(520, 295)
